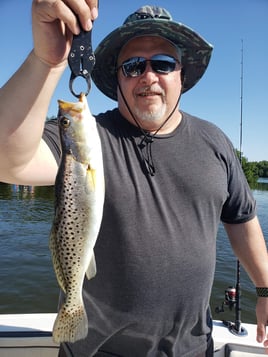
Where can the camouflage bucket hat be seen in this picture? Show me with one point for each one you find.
(151, 21)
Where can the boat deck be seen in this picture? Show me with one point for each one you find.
(29, 335)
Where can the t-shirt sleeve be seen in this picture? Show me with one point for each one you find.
(240, 205)
(52, 138)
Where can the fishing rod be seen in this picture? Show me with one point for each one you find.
(241, 102)
(233, 295)
(237, 326)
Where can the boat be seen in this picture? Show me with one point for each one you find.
(30, 335)
(27, 335)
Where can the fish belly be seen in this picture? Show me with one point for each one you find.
(78, 214)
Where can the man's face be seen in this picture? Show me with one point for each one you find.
(151, 96)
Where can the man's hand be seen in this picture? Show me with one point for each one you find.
(262, 320)
(54, 23)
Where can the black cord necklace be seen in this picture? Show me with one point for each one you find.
(145, 144)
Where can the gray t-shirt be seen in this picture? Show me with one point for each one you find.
(156, 249)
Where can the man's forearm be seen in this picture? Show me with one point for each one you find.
(249, 245)
(24, 102)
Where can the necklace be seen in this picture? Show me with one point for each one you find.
(145, 144)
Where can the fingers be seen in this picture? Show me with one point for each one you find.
(54, 22)
(94, 6)
(262, 319)
(265, 344)
(261, 332)
(261, 336)
(72, 13)
(85, 10)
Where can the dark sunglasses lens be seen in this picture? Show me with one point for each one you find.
(161, 64)
(134, 67)
(164, 67)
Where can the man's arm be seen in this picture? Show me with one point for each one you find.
(250, 248)
(24, 100)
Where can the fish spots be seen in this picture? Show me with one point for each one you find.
(75, 323)
(79, 196)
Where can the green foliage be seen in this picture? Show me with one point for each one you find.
(262, 168)
(253, 170)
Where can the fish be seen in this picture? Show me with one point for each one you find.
(79, 199)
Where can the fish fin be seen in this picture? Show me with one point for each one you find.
(92, 269)
(91, 178)
(55, 261)
(70, 325)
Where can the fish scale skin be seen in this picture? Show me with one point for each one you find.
(79, 195)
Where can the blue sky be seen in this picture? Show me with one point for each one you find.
(216, 97)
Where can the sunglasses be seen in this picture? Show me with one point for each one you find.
(136, 66)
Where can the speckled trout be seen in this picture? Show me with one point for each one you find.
(79, 196)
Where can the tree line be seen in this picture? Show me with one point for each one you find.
(253, 169)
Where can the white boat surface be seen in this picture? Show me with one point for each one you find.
(30, 335)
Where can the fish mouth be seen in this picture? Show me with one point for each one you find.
(71, 107)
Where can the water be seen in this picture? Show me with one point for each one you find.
(226, 265)
(27, 278)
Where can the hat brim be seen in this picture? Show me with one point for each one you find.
(196, 52)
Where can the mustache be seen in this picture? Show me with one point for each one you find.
(153, 89)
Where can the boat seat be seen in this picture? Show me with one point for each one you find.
(236, 350)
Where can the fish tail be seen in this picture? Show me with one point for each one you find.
(70, 325)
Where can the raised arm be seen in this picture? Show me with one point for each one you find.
(249, 246)
(24, 99)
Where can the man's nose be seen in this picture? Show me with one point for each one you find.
(149, 75)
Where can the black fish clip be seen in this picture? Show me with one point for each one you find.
(81, 60)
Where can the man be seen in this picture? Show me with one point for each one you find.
(170, 179)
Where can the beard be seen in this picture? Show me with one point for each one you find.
(155, 112)
(150, 115)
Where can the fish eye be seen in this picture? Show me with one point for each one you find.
(65, 122)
